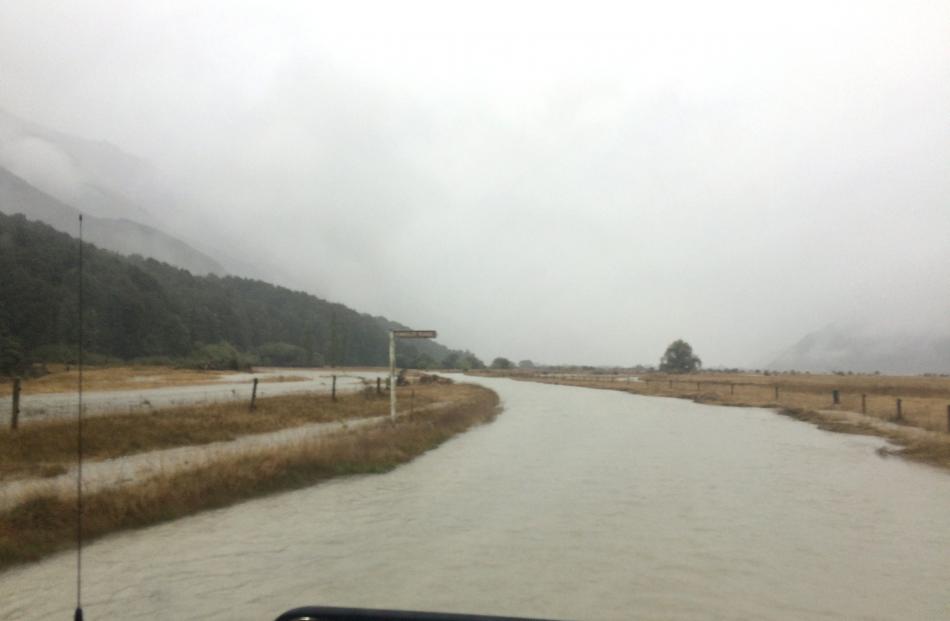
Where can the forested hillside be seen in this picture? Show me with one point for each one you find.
(137, 308)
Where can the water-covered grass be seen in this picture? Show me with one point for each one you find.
(867, 403)
(64, 378)
(45, 448)
(45, 523)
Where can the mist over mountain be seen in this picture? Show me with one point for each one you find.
(139, 308)
(137, 208)
(52, 177)
(570, 184)
(864, 348)
(95, 177)
(117, 234)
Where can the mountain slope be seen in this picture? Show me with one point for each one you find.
(120, 235)
(102, 180)
(865, 350)
(140, 307)
(93, 176)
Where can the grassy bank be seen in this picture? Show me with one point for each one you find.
(867, 404)
(913, 443)
(45, 448)
(46, 524)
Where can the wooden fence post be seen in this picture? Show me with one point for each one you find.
(864, 403)
(835, 397)
(379, 389)
(900, 414)
(333, 389)
(732, 388)
(15, 412)
(776, 392)
(254, 395)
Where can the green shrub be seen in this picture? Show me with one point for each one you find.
(281, 354)
(220, 356)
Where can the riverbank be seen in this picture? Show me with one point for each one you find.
(914, 443)
(46, 448)
(45, 523)
(920, 433)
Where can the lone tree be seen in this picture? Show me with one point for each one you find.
(501, 363)
(679, 358)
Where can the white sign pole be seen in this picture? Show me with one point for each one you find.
(392, 375)
(403, 334)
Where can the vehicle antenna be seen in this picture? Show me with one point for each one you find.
(78, 615)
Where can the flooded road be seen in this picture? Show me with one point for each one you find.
(574, 504)
(231, 387)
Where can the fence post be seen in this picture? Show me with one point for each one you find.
(732, 388)
(699, 386)
(333, 389)
(835, 397)
(254, 395)
(776, 392)
(15, 412)
(864, 403)
(412, 401)
(379, 389)
(900, 414)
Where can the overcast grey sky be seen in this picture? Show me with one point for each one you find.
(579, 182)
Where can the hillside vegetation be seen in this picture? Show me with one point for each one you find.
(142, 309)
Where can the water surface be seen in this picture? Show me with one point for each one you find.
(576, 504)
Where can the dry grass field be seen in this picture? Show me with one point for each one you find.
(924, 400)
(44, 448)
(45, 523)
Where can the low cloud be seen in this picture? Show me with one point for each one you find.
(545, 184)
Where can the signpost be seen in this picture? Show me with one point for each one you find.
(414, 334)
(400, 334)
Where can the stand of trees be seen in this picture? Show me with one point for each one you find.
(141, 309)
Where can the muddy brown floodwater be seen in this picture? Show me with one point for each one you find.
(574, 504)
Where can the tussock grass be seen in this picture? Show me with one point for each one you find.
(45, 524)
(44, 448)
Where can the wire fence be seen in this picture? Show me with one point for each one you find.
(24, 408)
(927, 409)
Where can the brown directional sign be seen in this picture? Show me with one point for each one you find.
(414, 334)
